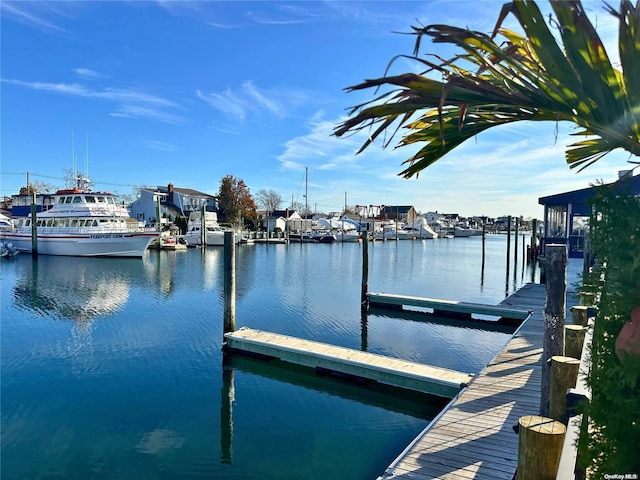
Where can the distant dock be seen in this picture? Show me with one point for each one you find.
(348, 362)
(473, 436)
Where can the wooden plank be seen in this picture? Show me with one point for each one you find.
(448, 305)
(331, 358)
(473, 438)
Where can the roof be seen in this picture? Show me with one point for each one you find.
(396, 208)
(583, 195)
(183, 191)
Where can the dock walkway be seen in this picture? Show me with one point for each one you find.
(473, 437)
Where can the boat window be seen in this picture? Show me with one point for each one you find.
(95, 223)
(77, 199)
(90, 199)
(104, 220)
(38, 223)
(110, 200)
(101, 200)
(74, 222)
(49, 222)
(61, 200)
(27, 223)
(68, 199)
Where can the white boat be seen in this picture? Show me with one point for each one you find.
(214, 232)
(342, 231)
(82, 223)
(392, 231)
(420, 229)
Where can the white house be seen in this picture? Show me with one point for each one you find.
(173, 202)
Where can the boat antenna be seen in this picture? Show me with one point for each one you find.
(73, 156)
(86, 158)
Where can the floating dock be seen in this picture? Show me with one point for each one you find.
(447, 308)
(348, 362)
(473, 436)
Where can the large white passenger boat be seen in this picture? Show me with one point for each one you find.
(83, 223)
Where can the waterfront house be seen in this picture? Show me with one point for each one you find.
(399, 213)
(173, 202)
(275, 221)
(21, 203)
(566, 215)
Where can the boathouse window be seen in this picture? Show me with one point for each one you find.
(90, 199)
(77, 199)
(557, 218)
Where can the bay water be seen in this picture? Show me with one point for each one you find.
(113, 368)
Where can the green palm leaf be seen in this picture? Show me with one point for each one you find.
(512, 78)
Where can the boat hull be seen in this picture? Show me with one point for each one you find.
(125, 244)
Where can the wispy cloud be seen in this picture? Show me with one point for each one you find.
(136, 111)
(134, 103)
(251, 99)
(88, 73)
(34, 14)
(158, 145)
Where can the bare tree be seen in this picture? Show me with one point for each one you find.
(269, 200)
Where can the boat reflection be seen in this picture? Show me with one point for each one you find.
(77, 289)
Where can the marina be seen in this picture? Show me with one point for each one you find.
(130, 355)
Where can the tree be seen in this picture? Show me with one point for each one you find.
(269, 200)
(235, 203)
(532, 77)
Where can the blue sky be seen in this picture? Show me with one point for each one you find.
(188, 92)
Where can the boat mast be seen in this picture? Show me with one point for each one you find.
(306, 193)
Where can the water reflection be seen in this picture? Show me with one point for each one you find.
(80, 291)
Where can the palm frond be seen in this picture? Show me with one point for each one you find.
(525, 77)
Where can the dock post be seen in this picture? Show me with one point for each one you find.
(515, 243)
(229, 283)
(574, 340)
(34, 227)
(508, 243)
(364, 303)
(564, 375)
(540, 441)
(203, 228)
(554, 315)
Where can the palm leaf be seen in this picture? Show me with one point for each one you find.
(526, 77)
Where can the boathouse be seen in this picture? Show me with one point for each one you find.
(566, 215)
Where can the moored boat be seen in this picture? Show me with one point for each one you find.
(214, 232)
(82, 223)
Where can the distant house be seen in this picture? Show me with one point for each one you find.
(399, 213)
(566, 215)
(21, 203)
(174, 202)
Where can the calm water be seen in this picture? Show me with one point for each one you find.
(112, 368)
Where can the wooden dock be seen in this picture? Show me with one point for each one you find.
(446, 308)
(348, 362)
(473, 437)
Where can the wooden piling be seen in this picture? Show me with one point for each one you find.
(515, 242)
(364, 302)
(564, 375)
(554, 315)
(579, 315)
(574, 340)
(540, 441)
(229, 283)
(508, 242)
(34, 227)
